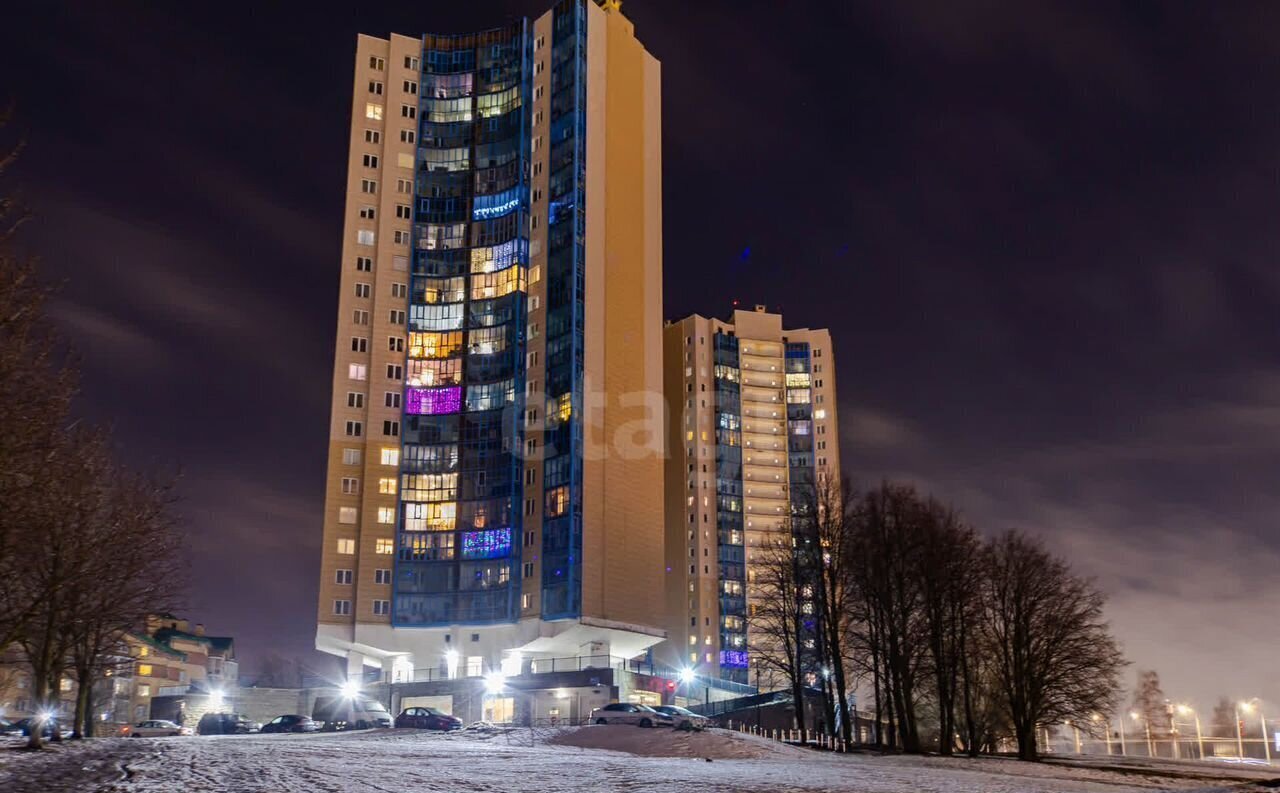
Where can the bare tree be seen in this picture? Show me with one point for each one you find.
(70, 501)
(1053, 653)
(949, 577)
(886, 544)
(138, 553)
(829, 569)
(776, 618)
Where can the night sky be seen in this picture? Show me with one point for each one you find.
(1044, 237)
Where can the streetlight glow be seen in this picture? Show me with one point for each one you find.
(494, 682)
(350, 689)
(686, 675)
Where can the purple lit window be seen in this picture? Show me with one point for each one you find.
(734, 658)
(490, 544)
(430, 401)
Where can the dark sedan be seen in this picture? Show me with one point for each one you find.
(427, 719)
(292, 722)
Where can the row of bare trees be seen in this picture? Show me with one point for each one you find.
(960, 641)
(88, 548)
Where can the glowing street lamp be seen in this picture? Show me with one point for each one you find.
(1186, 710)
(350, 689)
(1250, 706)
(686, 675)
(494, 682)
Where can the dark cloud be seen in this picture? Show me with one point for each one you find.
(1043, 236)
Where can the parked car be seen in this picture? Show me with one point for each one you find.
(683, 718)
(427, 719)
(225, 724)
(630, 713)
(291, 722)
(350, 713)
(23, 727)
(155, 728)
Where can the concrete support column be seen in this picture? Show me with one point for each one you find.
(355, 665)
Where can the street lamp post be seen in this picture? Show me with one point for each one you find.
(1184, 710)
(1123, 751)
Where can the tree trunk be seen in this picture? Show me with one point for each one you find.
(1026, 735)
(82, 716)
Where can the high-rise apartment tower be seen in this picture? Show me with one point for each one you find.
(752, 429)
(496, 444)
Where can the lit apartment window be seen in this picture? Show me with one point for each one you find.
(385, 546)
(526, 601)
(382, 576)
(373, 111)
(346, 515)
(350, 456)
(350, 485)
(342, 607)
(386, 514)
(381, 608)
(387, 485)
(347, 547)
(144, 690)
(365, 237)
(145, 670)
(357, 371)
(390, 456)
(535, 274)
(343, 577)
(693, 639)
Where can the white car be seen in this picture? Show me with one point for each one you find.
(630, 713)
(683, 718)
(155, 728)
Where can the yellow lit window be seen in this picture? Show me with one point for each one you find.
(503, 282)
(430, 517)
(444, 290)
(386, 514)
(143, 652)
(387, 485)
(434, 372)
(820, 414)
(384, 546)
(557, 501)
(688, 435)
(144, 670)
(390, 456)
(435, 345)
(798, 380)
(430, 487)
(373, 111)
(535, 274)
(564, 406)
(693, 640)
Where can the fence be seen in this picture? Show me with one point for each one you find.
(1245, 747)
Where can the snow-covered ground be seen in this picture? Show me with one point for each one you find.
(596, 758)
